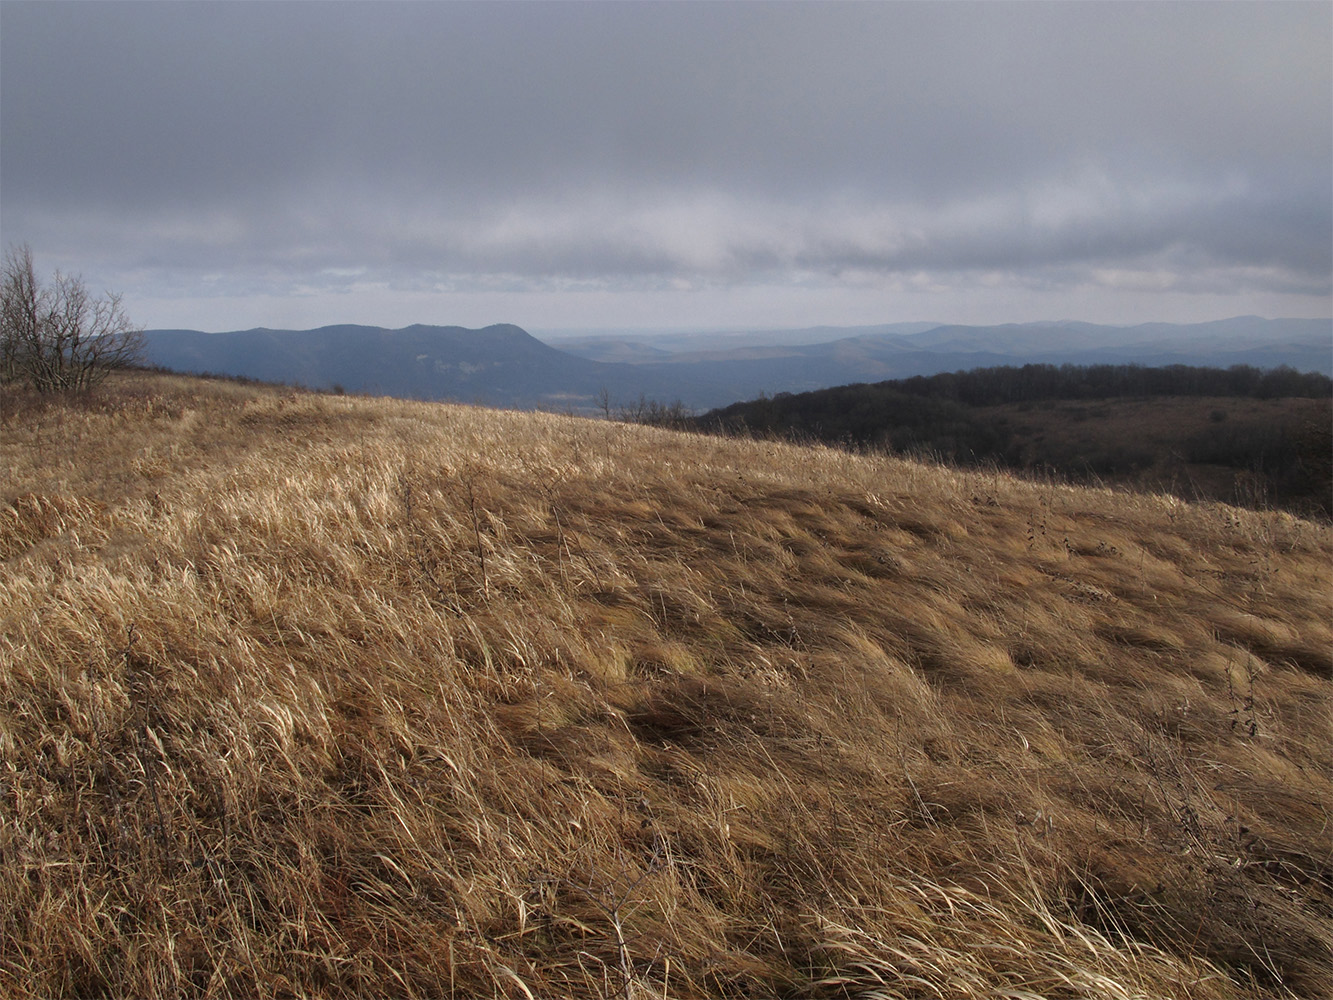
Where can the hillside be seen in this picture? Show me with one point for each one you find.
(500, 365)
(326, 696)
(905, 349)
(1238, 435)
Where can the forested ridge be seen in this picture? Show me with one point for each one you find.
(1031, 383)
(1239, 434)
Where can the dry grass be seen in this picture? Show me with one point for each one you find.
(309, 696)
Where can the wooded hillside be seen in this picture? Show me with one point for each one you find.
(1241, 435)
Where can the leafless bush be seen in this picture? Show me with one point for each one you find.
(655, 413)
(58, 336)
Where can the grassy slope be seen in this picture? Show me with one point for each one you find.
(324, 696)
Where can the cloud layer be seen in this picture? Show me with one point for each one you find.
(215, 155)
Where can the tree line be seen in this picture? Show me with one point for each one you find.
(930, 410)
(1037, 382)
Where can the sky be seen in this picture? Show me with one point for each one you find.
(643, 165)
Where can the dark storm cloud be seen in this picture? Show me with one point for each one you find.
(436, 144)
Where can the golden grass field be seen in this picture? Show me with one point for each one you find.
(323, 696)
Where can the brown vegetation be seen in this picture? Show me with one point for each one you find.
(1256, 453)
(329, 696)
(1241, 435)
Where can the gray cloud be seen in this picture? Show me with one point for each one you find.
(214, 150)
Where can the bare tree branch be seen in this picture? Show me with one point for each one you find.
(58, 337)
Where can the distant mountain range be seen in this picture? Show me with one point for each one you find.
(497, 366)
(505, 366)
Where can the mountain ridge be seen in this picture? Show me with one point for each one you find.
(504, 365)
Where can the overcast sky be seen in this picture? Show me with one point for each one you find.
(673, 165)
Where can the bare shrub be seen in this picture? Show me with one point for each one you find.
(58, 336)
